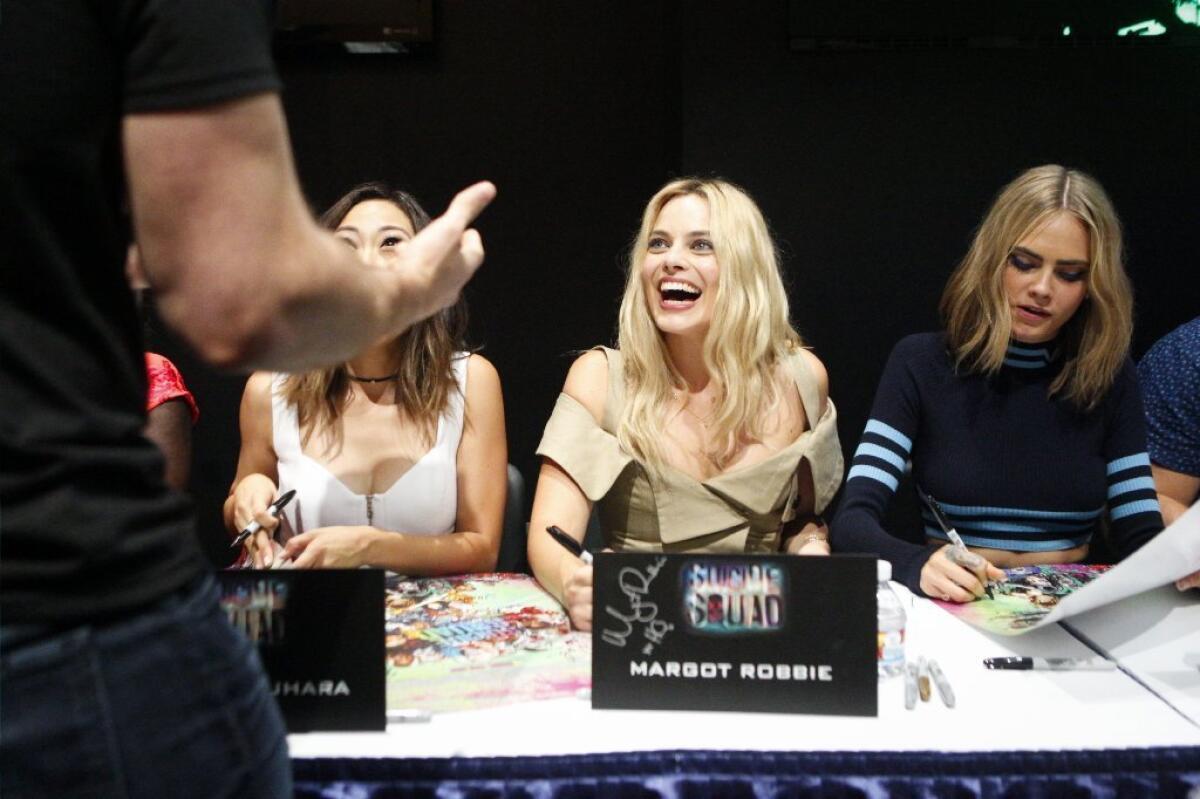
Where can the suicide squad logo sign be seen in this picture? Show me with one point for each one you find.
(723, 597)
(734, 632)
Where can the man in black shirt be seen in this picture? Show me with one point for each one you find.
(118, 675)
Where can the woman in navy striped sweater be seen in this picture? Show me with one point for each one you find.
(1023, 417)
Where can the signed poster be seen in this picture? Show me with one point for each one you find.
(1171, 554)
(462, 643)
(1025, 598)
(725, 632)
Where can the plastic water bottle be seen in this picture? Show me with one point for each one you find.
(890, 640)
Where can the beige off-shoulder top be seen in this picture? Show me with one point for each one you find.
(742, 510)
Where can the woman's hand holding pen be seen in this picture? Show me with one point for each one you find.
(957, 575)
(575, 576)
(251, 501)
(577, 591)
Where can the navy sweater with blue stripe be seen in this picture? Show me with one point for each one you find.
(1012, 468)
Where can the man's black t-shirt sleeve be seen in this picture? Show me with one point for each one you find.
(188, 53)
(90, 530)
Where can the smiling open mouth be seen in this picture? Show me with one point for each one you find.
(677, 292)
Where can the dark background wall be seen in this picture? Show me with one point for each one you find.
(875, 167)
(872, 167)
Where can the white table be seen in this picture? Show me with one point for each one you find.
(1155, 636)
(996, 710)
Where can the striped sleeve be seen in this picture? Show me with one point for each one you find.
(1133, 512)
(882, 454)
(878, 464)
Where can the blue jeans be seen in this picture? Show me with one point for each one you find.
(169, 702)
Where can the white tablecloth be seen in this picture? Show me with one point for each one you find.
(996, 710)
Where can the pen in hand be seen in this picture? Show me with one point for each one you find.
(958, 552)
(968, 560)
(569, 543)
(253, 527)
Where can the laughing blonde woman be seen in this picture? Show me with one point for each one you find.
(709, 429)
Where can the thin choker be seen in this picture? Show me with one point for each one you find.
(383, 379)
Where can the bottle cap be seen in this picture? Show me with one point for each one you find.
(883, 570)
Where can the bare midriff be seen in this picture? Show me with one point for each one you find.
(1006, 559)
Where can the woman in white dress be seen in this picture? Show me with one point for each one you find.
(398, 456)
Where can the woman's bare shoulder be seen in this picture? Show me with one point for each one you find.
(587, 382)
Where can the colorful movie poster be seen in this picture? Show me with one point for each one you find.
(463, 643)
(1027, 595)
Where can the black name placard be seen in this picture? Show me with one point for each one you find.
(735, 632)
(320, 635)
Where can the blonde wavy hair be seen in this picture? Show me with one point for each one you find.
(1094, 343)
(750, 331)
(425, 380)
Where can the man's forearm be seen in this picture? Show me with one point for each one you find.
(242, 269)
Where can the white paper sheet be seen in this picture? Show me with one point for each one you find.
(1173, 553)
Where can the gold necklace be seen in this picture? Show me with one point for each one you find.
(686, 408)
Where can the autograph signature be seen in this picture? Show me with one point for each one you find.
(635, 584)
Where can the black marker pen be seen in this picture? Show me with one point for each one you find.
(569, 543)
(253, 527)
(1050, 664)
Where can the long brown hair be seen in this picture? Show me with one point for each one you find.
(976, 313)
(425, 380)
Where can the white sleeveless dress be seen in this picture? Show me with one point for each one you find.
(423, 501)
